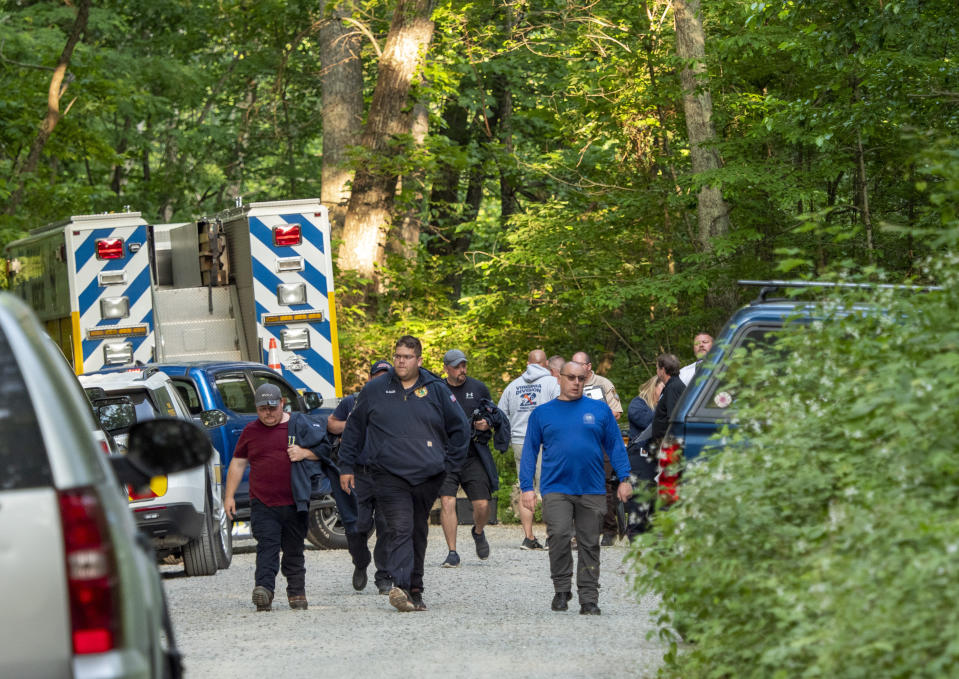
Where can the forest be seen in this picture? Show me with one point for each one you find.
(508, 174)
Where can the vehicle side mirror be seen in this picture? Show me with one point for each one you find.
(116, 416)
(162, 446)
(211, 419)
(312, 400)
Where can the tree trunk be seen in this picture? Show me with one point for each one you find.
(698, 107)
(58, 87)
(405, 236)
(341, 85)
(369, 213)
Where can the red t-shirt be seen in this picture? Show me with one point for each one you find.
(265, 448)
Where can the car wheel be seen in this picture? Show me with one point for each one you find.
(326, 531)
(224, 541)
(199, 554)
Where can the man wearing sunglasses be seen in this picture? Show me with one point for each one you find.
(574, 432)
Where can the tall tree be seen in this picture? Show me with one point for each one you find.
(58, 87)
(370, 208)
(341, 82)
(698, 107)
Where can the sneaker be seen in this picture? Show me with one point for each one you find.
(589, 609)
(384, 587)
(401, 601)
(482, 545)
(417, 599)
(608, 540)
(561, 601)
(531, 544)
(297, 602)
(263, 598)
(452, 560)
(359, 578)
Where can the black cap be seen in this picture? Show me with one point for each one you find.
(267, 395)
(379, 366)
(454, 357)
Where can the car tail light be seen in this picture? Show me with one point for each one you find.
(91, 572)
(288, 234)
(110, 248)
(157, 488)
(670, 454)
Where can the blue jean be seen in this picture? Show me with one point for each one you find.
(367, 516)
(279, 529)
(406, 508)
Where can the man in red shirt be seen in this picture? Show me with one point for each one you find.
(268, 445)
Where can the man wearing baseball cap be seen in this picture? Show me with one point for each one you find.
(282, 451)
(478, 476)
(366, 502)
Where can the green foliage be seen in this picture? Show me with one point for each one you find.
(821, 540)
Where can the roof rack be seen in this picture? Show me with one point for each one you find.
(768, 287)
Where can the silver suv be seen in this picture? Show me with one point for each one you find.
(82, 596)
(183, 512)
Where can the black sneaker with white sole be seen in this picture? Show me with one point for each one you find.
(531, 545)
(482, 544)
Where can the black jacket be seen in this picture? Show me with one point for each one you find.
(307, 433)
(413, 433)
(500, 424)
(664, 408)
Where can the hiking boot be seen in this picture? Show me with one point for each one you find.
(452, 560)
(482, 545)
(608, 540)
(297, 601)
(401, 601)
(417, 599)
(263, 598)
(589, 609)
(531, 544)
(359, 578)
(384, 587)
(561, 601)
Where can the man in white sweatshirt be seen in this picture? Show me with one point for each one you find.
(533, 388)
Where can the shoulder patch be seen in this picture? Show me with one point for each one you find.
(452, 397)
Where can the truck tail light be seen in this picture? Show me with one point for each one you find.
(91, 572)
(288, 234)
(110, 248)
(670, 455)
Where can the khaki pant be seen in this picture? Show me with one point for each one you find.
(582, 515)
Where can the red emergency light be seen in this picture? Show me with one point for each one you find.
(110, 248)
(288, 234)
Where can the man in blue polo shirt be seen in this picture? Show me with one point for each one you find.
(573, 432)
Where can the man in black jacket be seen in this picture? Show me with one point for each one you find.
(667, 369)
(417, 434)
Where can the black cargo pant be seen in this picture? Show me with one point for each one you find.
(275, 529)
(406, 508)
(564, 516)
(369, 515)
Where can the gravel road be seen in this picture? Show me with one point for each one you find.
(485, 618)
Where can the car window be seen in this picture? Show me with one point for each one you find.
(236, 392)
(188, 394)
(718, 397)
(164, 399)
(292, 398)
(23, 457)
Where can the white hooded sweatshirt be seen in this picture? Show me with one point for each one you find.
(533, 388)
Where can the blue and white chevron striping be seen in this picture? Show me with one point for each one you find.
(136, 288)
(310, 369)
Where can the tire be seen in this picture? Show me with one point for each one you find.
(325, 530)
(224, 542)
(199, 554)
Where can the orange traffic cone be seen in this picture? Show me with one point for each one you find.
(273, 357)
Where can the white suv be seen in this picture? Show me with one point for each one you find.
(182, 512)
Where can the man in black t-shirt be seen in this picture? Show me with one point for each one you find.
(474, 475)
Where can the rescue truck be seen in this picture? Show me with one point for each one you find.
(252, 283)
